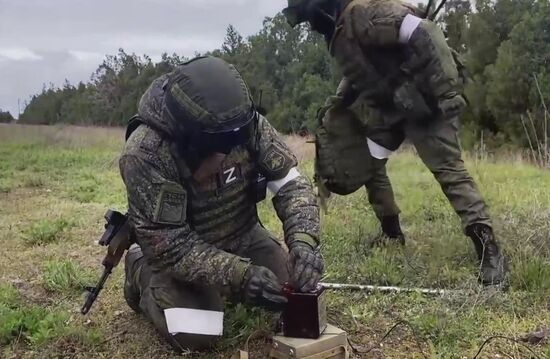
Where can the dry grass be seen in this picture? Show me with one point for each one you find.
(303, 147)
(79, 180)
(62, 135)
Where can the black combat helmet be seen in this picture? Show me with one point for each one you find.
(321, 14)
(209, 99)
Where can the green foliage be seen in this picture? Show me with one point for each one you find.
(5, 117)
(5, 185)
(36, 325)
(437, 255)
(504, 42)
(65, 276)
(9, 296)
(45, 231)
(521, 58)
(531, 274)
(110, 99)
(241, 321)
(290, 70)
(506, 48)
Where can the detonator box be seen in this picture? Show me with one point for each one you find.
(305, 315)
(332, 344)
(305, 332)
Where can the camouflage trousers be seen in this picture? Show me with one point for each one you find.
(437, 143)
(380, 194)
(156, 292)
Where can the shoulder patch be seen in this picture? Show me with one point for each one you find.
(171, 206)
(274, 158)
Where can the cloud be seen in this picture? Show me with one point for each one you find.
(18, 54)
(87, 56)
(68, 39)
(154, 44)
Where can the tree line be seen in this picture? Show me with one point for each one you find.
(505, 45)
(5, 117)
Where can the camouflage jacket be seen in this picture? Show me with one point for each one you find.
(186, 227)
(381, 44)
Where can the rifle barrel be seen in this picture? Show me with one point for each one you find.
(92, 295)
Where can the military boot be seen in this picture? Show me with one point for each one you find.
(493, 264)
(132, 269)
(392, 229)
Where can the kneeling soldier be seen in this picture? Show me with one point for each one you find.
(198, 158)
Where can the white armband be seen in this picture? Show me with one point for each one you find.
(377, 151)
(275, 186)
(409, 24)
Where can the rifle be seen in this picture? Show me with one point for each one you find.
(117, 240)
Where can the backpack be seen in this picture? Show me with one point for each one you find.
(343, 161)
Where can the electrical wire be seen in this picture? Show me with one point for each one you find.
(401, 322)
(490, 339)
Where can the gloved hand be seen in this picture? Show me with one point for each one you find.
(306, 266)
(261, 287)
(411, 103)
(451, 105)
(346, 93)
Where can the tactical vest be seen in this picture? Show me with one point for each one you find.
(222, 207)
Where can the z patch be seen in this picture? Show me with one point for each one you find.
(274, 159)
(229, 176)
(171, 205)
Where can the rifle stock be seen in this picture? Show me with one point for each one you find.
(117, 239)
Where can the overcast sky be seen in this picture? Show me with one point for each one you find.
(48, 41)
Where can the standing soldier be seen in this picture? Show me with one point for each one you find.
(406, 75)
(198, 158)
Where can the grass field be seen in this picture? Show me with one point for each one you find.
(57, 182)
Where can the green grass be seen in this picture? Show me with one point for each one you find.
(64, 276)
(45, 231)
(36, 327)
(55, 188)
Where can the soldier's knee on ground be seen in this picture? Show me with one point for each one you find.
(132, 264)
(192, 342)
(132, 257)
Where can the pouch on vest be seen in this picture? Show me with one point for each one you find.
(260, 188)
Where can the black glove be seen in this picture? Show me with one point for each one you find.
(411, 102)
(452, 105)
(306, 266)
(261, 287)
(346, 93)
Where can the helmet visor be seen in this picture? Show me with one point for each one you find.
(224, 142)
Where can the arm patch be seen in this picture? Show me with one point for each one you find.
(277, 161)
(171, 206)
(274, 158)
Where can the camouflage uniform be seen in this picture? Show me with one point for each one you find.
(365, 45)
(409, 83)
(198, 237)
